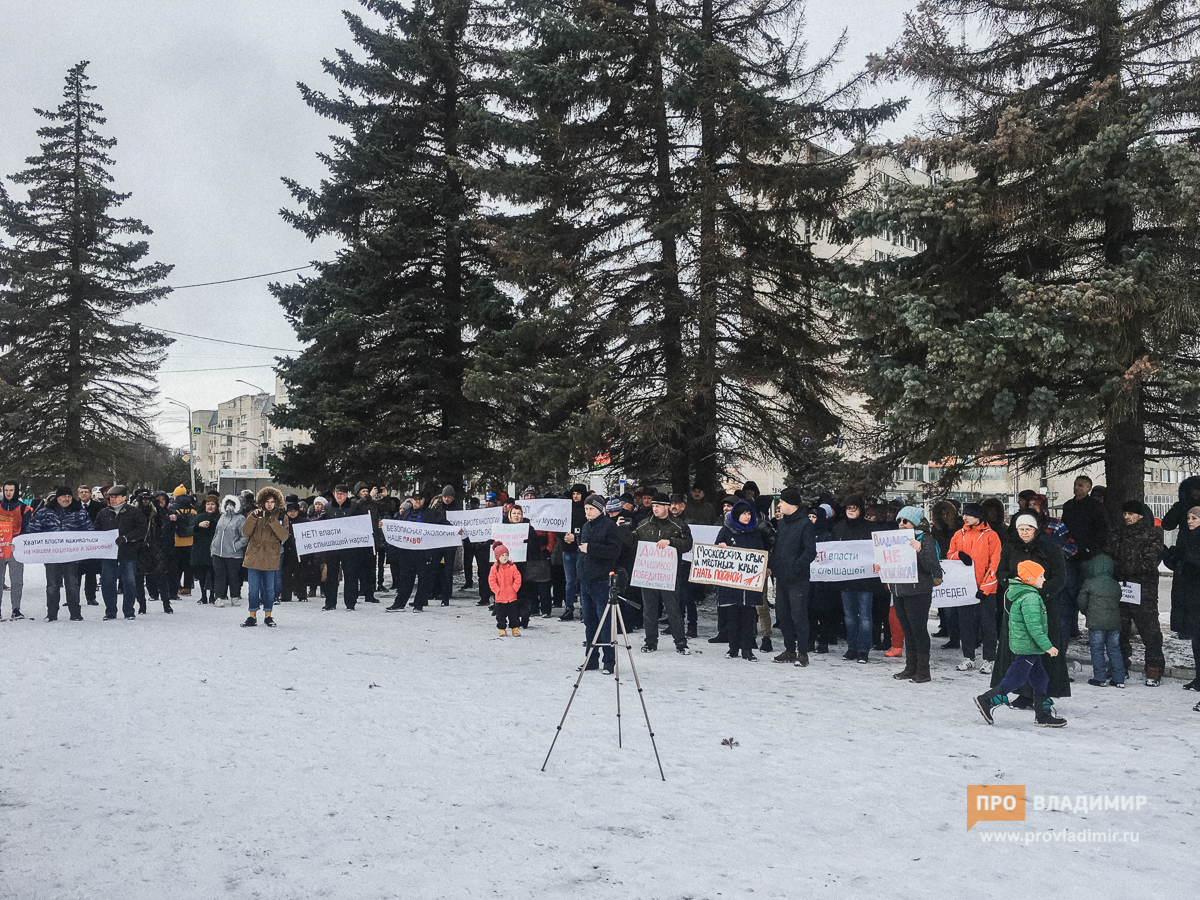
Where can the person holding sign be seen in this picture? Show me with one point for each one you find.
(64, 514)
(741, 530)
(14, 515)
(912, 601)
(977, 545)
(131, 526)
(1136, 549)
(857, 596)
(570, 552)
(663, 531)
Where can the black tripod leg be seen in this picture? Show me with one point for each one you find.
(612, 613)
(574, 689)
(641, 696)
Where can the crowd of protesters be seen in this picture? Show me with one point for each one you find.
(1035, 574)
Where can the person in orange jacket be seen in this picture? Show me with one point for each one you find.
(978, 545)
(505, 581)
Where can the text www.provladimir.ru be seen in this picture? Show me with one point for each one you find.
(1083, 836)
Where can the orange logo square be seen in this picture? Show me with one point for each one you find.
(995, 803)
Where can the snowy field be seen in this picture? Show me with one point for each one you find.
(369, 755)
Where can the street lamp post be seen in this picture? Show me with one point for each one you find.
(190, 461)
(262, 447)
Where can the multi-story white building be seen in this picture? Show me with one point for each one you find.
(238, 435)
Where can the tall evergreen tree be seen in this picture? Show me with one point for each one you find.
(1054, 312)
(395, 319)
(74, 379)
(673, 176)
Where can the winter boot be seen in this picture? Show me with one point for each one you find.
(568, 616)
(910, 667)
(766, 647)
(251, 620)
(749, 656)
(1044, 711)
(268, 621)
(142, 609)
(922, 676)
(786, 656)
(987, 703)
(516, 632)
(691, 632)
(167, 607)
(503, 632)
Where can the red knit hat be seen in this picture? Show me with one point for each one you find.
(499, 549)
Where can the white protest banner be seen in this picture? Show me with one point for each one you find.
(654, 568)
(729, 567)
(547, 515)
(897, 561)
(843, 561)
(420, 535)
(1131, 593)
(958, 585)
(513, 537)
(477, 524)
(702, 534)
(64, 546)
(333, 534)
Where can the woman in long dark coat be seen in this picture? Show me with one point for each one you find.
(741, 530)
(1028, 543)
(1184, 560)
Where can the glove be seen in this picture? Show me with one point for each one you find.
(122, 540)
(981, 596)
(963, 557)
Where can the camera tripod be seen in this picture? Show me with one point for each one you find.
(612, 616)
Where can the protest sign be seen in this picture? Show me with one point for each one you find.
(333, 534)
(547, 515)
(654, 568)
(420, 535)
(513, 537)
(1131, 593)
(729, 567)
(5, 539)
(477, 524)
(897, 561)
(64, 546)
(702, 534)
(957, 587)
(843, 561)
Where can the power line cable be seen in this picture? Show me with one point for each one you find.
(201, 337)
(217, 369)
(184, 287)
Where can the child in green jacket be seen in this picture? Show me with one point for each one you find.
(1100, 601)
(1028, 640)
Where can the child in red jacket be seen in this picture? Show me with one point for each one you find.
(505, 581)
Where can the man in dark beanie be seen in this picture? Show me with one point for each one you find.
(794, 550)
(601, 547)
(570, 552)
(350, 561)
(1136, 549)
(65, 513)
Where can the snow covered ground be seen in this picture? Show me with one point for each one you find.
(370, 755)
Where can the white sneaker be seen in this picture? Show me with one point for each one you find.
(221, 604)
(985, 668)
(236, 601)
(1151, 682)
(966, 665)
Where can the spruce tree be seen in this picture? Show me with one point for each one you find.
(674, 180)
(74, 377)
(1053, 313)
(395, 319)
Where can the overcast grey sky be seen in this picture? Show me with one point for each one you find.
(202, 99)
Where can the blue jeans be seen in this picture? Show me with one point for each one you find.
(264, 586)
(593, 598)
(857, 607)
(571, 572)
(110, 571)
(1106, 643)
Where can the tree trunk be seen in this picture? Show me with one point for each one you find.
(1124, 465)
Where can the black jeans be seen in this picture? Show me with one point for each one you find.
(742, 620)
(350, 562)
(979, 617)
(227, 580)
(59, 575)
(791, 608)
(913, 613)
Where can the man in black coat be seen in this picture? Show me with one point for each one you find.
(130, 524)
(350, 560)
(600, 547)
(89, 569)
(795, 549)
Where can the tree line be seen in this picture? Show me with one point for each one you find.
(579, 228)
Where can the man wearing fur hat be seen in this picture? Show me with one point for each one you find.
(1136, 549)
(266, 528)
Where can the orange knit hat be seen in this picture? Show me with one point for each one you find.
(1029, 571)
